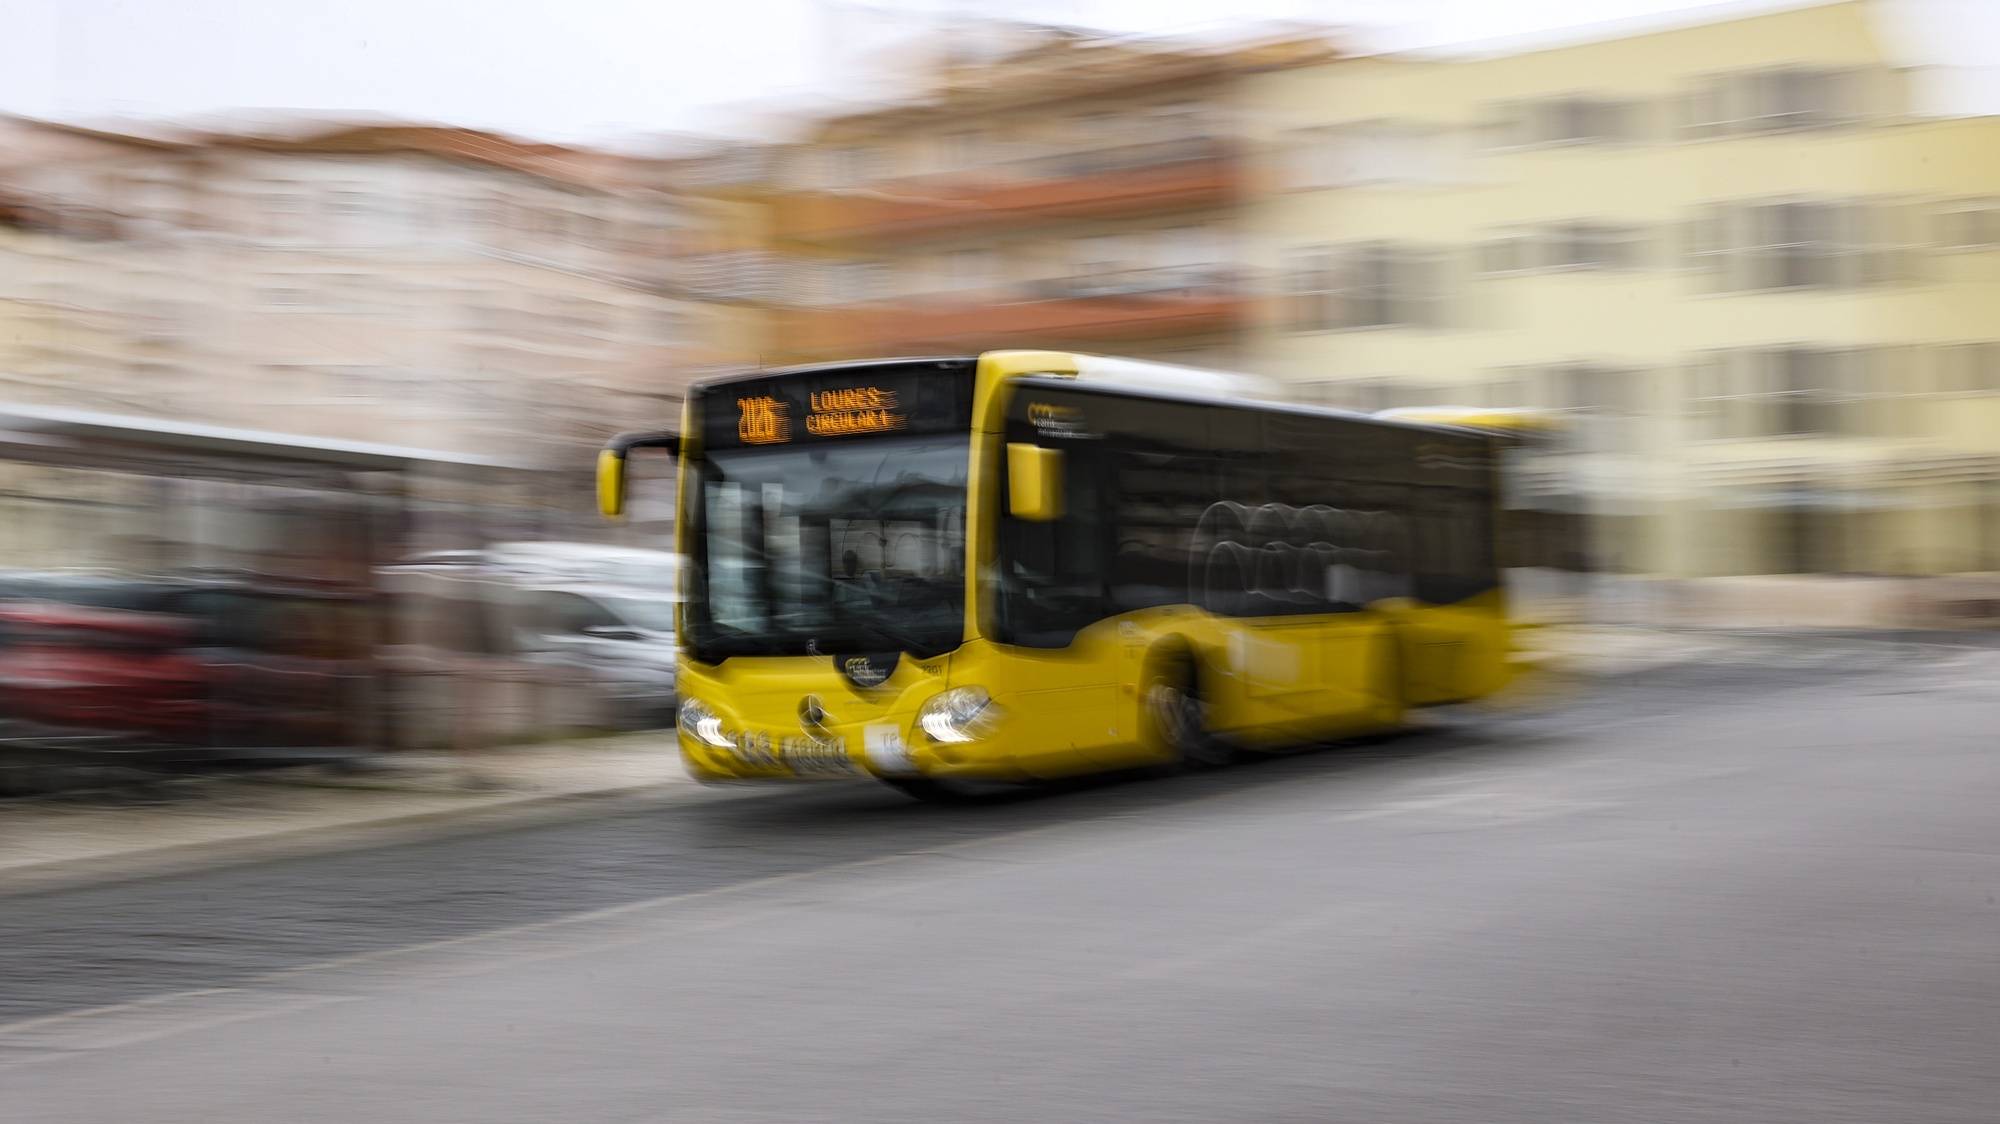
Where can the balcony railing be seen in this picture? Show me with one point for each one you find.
(1132, 179)
(1130, 305)
(1163, 281)
(1101, 161)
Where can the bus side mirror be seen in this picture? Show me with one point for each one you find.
(611, 466)
(610, 484)
(1034, 483)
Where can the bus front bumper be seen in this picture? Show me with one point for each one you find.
(755, 759)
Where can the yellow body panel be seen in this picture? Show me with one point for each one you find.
(1268, 682)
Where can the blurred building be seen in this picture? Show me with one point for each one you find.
(724, 268)
(1051, 190)
(424, 286)
(1763, 288)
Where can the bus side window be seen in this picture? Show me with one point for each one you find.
(1454, 546)
(1161, 495)
(1052, 574)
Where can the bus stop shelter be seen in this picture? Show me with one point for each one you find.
(177, 596)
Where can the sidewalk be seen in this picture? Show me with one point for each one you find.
(1570, 654)
(54, 842)
(1586, 651)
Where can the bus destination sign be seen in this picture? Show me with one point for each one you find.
(859, 409)
(833, 405)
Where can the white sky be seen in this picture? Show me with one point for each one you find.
(593, 69)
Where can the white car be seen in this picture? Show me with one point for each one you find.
(622, 640)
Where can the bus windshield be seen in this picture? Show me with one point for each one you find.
(829, 549)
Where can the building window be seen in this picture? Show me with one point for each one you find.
(1969, 224)
(1365, 285)
(1798, 98)
(1803, 395)
(1969, 369)
(1588, 245)
(1564, 120)
(1390, 284)
(1588, 388)
(1372, 153)
(1370, 290)
(1704, 241)
(1715, 397)
(1779, 392)
(1797, 245)
(1580, 120)
(1309, 289)
(1800, 244)
(1769, 100)
(1564, 246)
(1507, 253)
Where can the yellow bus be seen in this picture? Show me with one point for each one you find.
(1025, 565)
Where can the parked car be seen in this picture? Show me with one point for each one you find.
(102, 670)
(653, 573)
(210, 659)
(602, 615)
(621, 639)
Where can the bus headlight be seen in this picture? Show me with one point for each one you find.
(961, 714)
(704, 725)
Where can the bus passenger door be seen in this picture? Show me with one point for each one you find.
(1062, 672)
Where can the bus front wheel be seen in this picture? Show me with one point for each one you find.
(931, 790)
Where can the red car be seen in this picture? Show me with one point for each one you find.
(192, 662)
(113, 670)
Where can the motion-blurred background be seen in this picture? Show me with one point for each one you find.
(297, 408)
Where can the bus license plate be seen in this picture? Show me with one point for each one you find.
(811, 757)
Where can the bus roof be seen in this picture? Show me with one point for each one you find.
(1149, 379)
(855, 365)
(1500, 419)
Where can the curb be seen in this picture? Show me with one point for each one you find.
(318, 839)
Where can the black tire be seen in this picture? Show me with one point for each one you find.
(924, 789)
(931, 790)
(1394, 688)
(1175, 714)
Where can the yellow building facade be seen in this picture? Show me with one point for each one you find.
(1766, 290)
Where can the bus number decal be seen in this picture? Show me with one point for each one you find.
(763, 420)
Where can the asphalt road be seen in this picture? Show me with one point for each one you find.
(1755, 890)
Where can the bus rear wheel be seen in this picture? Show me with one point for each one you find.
(1177, 716)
